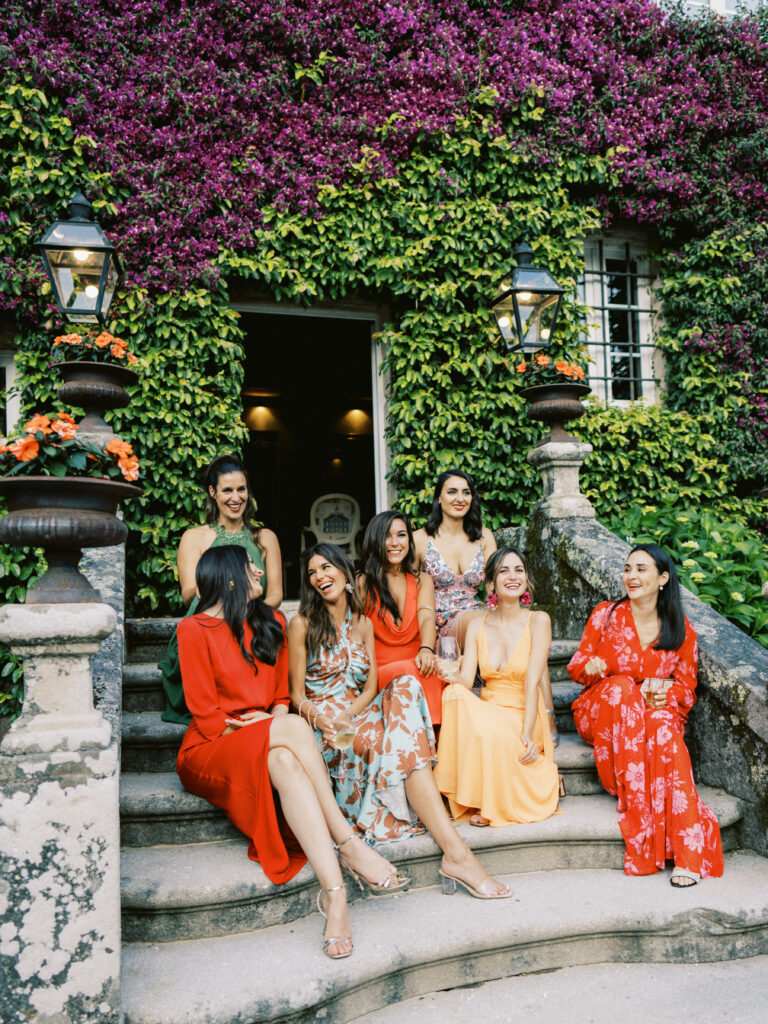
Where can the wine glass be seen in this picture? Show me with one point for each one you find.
(448, 659)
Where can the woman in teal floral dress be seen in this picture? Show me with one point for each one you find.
(379, 747)
(230, 518)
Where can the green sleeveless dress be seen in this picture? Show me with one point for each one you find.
(176, 709)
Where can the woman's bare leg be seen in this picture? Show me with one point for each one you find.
(293, 733)
(305, 817)
(458, 859)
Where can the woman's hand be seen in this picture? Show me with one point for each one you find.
(655, 692)
(248, 718)
(595, 667)
(333, 723)
(426, 662)
(452, 674)
(531, 752)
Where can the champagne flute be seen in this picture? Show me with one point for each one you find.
(448, 659)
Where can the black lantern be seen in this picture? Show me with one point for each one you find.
(82, 266)
(527, 309)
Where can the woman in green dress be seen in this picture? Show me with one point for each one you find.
(230, 518)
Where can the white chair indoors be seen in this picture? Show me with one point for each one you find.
(333, 519)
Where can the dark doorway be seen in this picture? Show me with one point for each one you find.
(307, 402)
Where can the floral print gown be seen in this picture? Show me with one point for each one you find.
(393, 737)
(640, 753)
(454, 593)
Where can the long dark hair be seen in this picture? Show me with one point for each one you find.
(472, 522)
(373, 560)
(229, 464)
(321, 629)
(493, 565)
(669, 604)
(223, 575)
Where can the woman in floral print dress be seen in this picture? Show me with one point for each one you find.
(383, 778)
(637, 661)
(454, 537)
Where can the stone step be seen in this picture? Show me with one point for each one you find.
(423, 941)
(142, 688)
(147, 639)
(212, 889)
(681, 992)
(155, 808)
(149, 743)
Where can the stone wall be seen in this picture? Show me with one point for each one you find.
(576, 564)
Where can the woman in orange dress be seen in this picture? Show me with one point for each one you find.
(242, 747)
(401, 606)
(495, 757)
(637, 662)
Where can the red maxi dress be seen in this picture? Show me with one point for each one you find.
(231, 771)
(398, 645)
(640, 753)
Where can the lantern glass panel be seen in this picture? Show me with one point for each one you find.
(504, 311)
(538, 314)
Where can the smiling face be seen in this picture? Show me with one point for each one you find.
(326, 578)
(511, 580)
(455, 497)
(396, 543)
(641, 578)
(231, 496)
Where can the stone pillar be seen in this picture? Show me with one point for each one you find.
(59, 826)
(559, 462)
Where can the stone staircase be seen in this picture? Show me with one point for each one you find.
(208, 940)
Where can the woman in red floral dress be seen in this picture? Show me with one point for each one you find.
(637, 662)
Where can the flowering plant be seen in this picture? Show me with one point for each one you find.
(91, 347)
(49, 446)
(540, 369)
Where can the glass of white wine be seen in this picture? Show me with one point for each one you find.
(344, 735)
(448, 661)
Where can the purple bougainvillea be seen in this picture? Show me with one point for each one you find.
(206, 111)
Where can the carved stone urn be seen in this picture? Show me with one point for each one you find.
(555, 404)
(63, 515)
(96, 387)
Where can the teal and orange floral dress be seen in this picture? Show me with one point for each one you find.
(393, 737)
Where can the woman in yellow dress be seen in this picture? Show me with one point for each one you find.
(495, 755)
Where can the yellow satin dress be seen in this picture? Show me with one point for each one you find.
(478, 753)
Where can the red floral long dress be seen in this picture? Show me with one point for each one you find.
(231, 771)
(640, 753)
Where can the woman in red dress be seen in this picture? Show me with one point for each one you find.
(400, 603)
(637, 661)
(242, 746)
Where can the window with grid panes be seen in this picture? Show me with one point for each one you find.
(616, 286)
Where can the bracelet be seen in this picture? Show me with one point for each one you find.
(426, 647)
(426, 608)
(305, 701)
(549, 712)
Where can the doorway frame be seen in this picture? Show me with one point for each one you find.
(384, 494)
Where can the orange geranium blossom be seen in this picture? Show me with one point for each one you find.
(103, 339)
(120, 448)
(129, 467)
(38, 422)
(64, 426)
(542, 360)
(521, 367)
(25, 449)
(67, 339)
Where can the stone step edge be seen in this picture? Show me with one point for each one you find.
(562, 919)
(164, 876)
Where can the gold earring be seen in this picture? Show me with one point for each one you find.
(231, 584)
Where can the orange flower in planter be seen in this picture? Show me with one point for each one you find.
(26, 448)
(563, 367)
(129, 467)
(120, 448)
(542, 360)
(64, 426)
(38, 422)
(521, 367)
(103, 339)
(132, 359)
(578, 373)
(67, 339)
